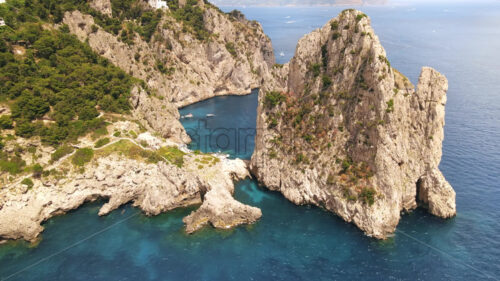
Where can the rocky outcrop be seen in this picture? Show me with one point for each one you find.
(157, 116)
(349, 133)
(181, 68)
(152, 187)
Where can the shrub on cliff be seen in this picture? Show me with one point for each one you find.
(12, 165)
(6, 122)
(316, 69)
(367, 195)
(231, 49)
(61, 152)
(101, 142)
(82, 156)
(327, 82)
(28, 182)
(191, 15)
(390, 106)
(173, 154)
(273, 99)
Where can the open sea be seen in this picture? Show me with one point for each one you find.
(292, 242)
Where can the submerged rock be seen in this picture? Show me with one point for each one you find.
(349, 133)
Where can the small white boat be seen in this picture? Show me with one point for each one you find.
(190, 115)
(210, 115)
(282, 54)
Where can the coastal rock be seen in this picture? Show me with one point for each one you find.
(154, 188)
(157, 116)
(350, 134)
(219, 208)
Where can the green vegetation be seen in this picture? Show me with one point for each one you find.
(316, 69)
(348, 195)
(336, 35)
(300, 158)
(11, 164)
(161, 66)
(6, 122)
(191, 15)
(231, 49)
(55, 75)
(173, 154)
(390, 106)
(132, 134)
(82, 156)
(129, 150)
(324, 56)
(367, 195)
(385, 60)
(272, 153)
(236, 15)
(360, 17)
(334, 25)
(346, 164)
(273, 99)
(141, 20)
(37, 170)
(28, 182)
(61, 152)
(207, 159)
(308, 138)
(327, 82)
(272, 122)
(101, 142)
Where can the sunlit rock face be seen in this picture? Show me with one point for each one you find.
(351, 134)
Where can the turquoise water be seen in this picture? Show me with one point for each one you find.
(300, 242)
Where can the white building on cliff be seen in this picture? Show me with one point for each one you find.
(2, 22)
(157, 4)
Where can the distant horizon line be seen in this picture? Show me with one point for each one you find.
(388, 3)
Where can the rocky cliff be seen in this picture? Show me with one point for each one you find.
(349, 133)
(142, 171)
(233, 58)
(188, 53)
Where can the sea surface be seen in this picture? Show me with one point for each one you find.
(303, 242)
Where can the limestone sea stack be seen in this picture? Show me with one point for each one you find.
(349, 133)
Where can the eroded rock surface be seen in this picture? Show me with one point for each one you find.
(238, 58)
(349, 133)
(112, 175)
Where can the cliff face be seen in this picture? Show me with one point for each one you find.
(349, 133)
(236, 58)
(122, 172)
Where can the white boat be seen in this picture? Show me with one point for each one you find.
(282, 54)
(190, 115)
(210, 115)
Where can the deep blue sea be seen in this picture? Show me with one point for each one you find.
(301, 242)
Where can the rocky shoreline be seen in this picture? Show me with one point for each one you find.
(123, 178)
